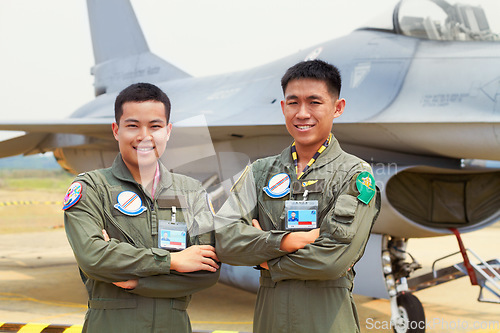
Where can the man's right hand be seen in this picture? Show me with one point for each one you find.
(297, 240)
(194, 258)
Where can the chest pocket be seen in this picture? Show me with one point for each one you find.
(343, 216)
(318, 189)
(274, 209)
(183, 213)
(129, 224)
(166, 204)
(272, 212)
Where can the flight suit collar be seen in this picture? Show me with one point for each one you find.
(165, 179)
(120, 171)
(331, 152)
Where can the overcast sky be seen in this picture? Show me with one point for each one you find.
(46, 52)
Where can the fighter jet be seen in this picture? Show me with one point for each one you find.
(423, 109)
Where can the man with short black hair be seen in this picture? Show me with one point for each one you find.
(137, 280)
(308, 290)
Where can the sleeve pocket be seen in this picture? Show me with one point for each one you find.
(345, 208)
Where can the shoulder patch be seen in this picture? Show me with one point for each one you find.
(210, 205)
(243, 174)
(73, 195)
(366, 187)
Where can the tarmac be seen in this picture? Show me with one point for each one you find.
(40, 284)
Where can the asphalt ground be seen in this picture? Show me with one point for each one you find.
(40, 283)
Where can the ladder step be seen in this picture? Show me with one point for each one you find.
(488, 279)
(433, 279)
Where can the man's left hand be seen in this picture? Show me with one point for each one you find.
(130, 284)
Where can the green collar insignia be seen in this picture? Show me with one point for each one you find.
(366, 187)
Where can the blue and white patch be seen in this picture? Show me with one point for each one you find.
(129, 203)
(73, 195)
(278, 186)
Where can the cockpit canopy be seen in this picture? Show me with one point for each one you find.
(452, 20)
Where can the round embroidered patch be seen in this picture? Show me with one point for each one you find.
(129, 203)
(73, 195)
(278, 186)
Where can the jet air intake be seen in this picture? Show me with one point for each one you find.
(427, 201)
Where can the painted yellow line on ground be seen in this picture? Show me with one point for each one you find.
(39, 328)
(26, 203)
(56, 317)
(33, 328)
(223, 322)
(18, 297)
(218, 331)
(14, 276)
(74, 329)
(51, 328)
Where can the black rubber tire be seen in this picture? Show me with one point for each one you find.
(413, 312)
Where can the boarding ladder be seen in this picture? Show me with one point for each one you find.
(487, 276)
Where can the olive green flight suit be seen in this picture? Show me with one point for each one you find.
(308, 290)
(159, 302)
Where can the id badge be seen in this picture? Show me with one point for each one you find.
(172, 235)
(301, 215)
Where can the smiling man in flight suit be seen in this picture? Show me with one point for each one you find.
(137, 280)
(308, 290)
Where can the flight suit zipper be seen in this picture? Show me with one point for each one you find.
(321, 215)
(153, 324)
(153, 216)
(261, 206)
(330, 202)
(117, 226)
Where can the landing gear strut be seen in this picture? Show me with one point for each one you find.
(407, 313)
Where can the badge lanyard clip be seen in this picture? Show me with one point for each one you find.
(173, 214)
(173, 234)
(304, 196)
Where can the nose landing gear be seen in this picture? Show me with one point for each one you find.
(407, 313)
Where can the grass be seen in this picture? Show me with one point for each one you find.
(17, 186)
(18, 180)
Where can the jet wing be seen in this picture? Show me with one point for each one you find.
(86, 126)
(471, 140)
(38, 131)
(20, 144)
